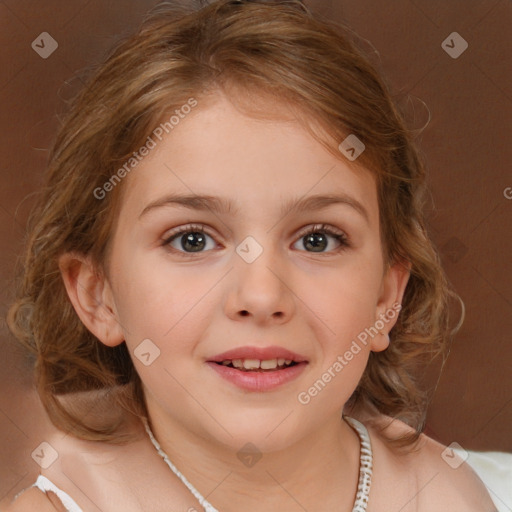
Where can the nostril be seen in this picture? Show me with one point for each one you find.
(244, 312)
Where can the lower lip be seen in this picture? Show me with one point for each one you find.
(258, 381)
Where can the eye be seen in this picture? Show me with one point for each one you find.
(189, 239)
(317, 238)
(193, 238)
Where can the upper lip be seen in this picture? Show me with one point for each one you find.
(260, 353)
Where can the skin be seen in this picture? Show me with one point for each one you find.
(200, 304)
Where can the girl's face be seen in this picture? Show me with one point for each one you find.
(212, 253)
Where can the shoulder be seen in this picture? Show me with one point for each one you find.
(108, 476)
(434, 476)
(73, 465)
(33, 499)
(453, 484)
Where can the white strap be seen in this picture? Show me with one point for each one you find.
(45, 485)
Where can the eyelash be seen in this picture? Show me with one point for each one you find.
(338, 235)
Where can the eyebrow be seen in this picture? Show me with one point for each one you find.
(224, 206)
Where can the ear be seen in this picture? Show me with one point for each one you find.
(389, 304)
(91, 296)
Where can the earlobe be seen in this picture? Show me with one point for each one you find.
(91, 295)
(390, 302)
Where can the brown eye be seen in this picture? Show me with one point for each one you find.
(317, 239)
(189, 239)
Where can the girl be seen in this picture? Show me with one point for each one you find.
(229, 287)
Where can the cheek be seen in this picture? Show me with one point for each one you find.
(344, 298)
(159, 301)
(343, 303)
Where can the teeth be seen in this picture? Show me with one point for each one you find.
(255, 364)
(268, 365)
(251, 364)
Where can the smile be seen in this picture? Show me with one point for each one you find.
(257, 379)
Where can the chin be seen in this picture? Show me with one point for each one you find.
(267, 432)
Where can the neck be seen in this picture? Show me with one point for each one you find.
(318, 472)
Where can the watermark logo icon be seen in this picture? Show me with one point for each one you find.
(454, 45)
(45, 455)
(352, 147)
(44, 45)
(249, 249)
(454, 249)
(249, 455)
(146, 352)
(452, 458)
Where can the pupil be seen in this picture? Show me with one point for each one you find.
(316, 241)
(194, 240)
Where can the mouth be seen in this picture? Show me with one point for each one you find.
(258, 369)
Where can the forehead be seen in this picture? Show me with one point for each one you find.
(254, 161)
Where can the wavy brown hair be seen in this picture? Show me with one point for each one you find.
(279, 49)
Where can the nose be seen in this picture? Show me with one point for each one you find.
(261, 291)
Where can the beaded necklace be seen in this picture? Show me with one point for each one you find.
(365, 468)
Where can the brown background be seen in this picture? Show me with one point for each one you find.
(466, 144)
